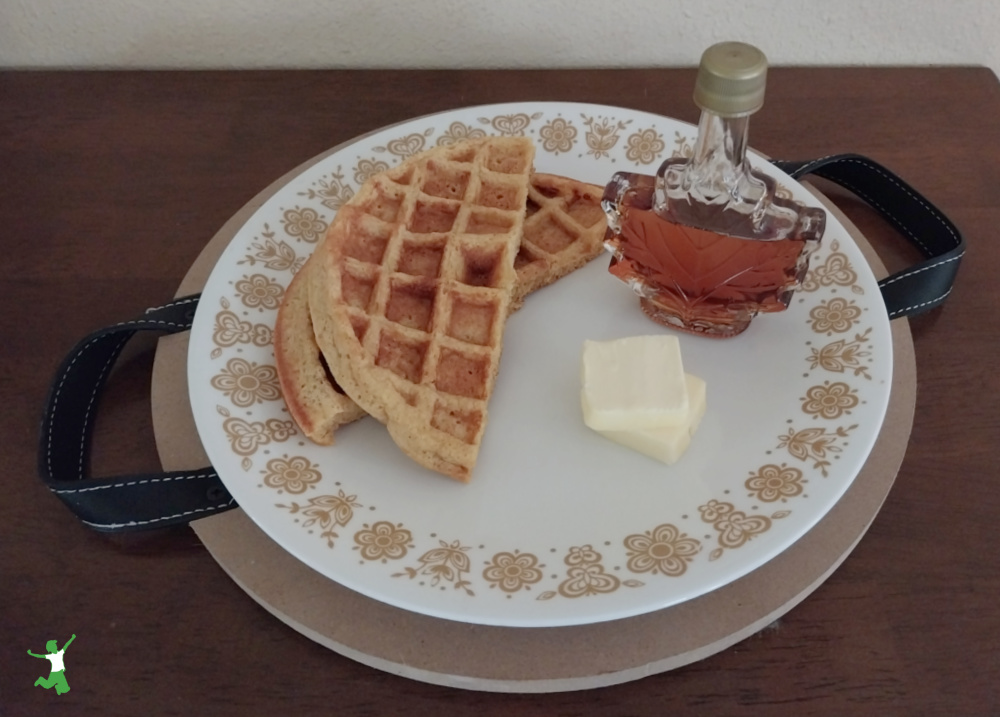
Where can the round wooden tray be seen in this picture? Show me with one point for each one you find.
(519, 659)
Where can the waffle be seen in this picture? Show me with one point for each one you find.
(315, 401)
(563, 229)
(412, 289)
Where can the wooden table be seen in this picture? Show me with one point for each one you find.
(113, 182)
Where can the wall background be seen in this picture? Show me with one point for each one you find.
(489, 33)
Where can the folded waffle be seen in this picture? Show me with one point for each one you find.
(411, 292)
(315, 401)
(563, 229)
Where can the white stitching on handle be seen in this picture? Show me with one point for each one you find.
(899, 223)
(144, 481)
(135, 523)
(123, 324)
(58, 392)
(179, 302)
(93, 398)
(915, 197)
(804, 169)
(807, 167)
(912, 272)
(898, 312)
(878, 170)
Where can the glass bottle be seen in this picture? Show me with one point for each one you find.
(707, 243)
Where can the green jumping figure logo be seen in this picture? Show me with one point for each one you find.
(56, 678)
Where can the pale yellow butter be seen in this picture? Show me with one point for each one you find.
(667, 444)
(634, 383)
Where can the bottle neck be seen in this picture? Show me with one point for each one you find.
(716, 178)
(720, 152)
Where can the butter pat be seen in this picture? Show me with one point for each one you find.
(667, 444)
(634, 383)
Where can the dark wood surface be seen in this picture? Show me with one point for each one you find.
(111, 184)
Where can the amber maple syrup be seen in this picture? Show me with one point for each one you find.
(707, 243)
(696, 279)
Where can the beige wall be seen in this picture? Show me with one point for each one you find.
(489, 33)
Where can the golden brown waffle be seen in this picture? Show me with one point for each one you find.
(563, 230)
(411, 293)
(315, 401)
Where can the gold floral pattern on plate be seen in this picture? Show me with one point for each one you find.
(557, 136)
(735, 527)
(303, 223)
(383, 541)
(230, 330)
(816, 444)
(448, 563)
(247, 436)
(836, 325)
(247, 382)
(830, 400)
(603, 134)
(273, 254)
(408, 145)
(366, 169)
(511, 125)
(835, 270)
(513, 572)
(295, 474)
(645, 146)
(458, 131)
(331, 191)
(834, 316)
(586, 576)
(842, 356)
(683, 146)
(328, 512)
(259, 291)
(663, 550)
(772, 483)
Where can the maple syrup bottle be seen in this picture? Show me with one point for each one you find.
(706, 243)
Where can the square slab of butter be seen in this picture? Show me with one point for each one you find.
(634, 383)
(667, 444)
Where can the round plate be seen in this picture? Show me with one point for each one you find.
(559, 526)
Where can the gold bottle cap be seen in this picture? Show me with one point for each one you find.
(731, 79)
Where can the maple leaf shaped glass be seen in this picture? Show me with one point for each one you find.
(707, 243)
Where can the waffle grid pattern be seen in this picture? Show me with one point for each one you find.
(563, 229)
(420, 269)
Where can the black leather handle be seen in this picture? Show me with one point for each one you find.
(120, 503)
(920, 287)
(138, 502)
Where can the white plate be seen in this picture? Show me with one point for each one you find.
(559, 526)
